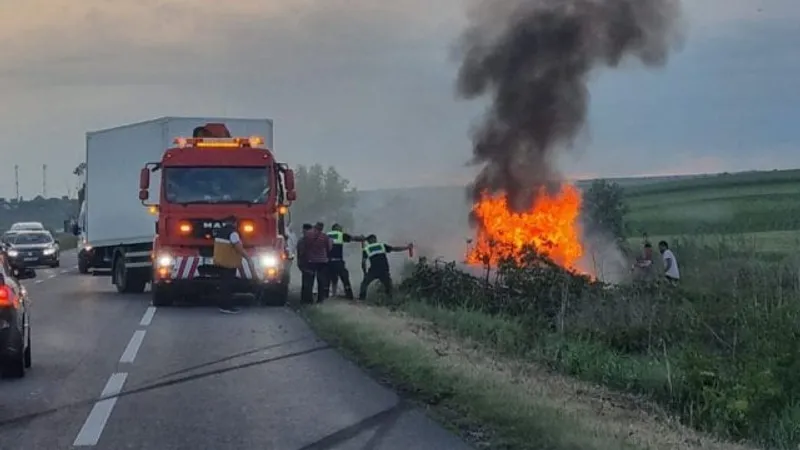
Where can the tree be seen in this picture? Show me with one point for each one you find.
(323, 195)
(604, 207)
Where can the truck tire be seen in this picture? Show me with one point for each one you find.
(276, 295)
(83, 265)
(127, 282)
(161, 296)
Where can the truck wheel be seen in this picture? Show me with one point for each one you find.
(161, 296)
(276, 295)
(127, 282)
(83, 265)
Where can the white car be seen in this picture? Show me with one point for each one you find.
(27, 226)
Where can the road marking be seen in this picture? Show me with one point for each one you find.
(133, 347)
(65, 271)
(75, 266)
(96, 421)
(52, 276)
(39, 281)
(148, 316)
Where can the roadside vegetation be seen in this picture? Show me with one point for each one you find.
(564, 357)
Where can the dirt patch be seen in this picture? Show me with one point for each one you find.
(601, 414)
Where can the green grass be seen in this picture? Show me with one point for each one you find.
(490, 411)
(778, 243)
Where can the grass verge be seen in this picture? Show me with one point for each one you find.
(461, 366)
(67, 241)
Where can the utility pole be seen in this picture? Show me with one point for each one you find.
(44, 180)
(16, 180)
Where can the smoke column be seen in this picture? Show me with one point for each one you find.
(533, 57)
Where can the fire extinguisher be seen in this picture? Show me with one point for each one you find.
(411, 250)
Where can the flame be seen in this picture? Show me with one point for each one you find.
(550, 226)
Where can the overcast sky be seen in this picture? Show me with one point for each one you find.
(368, 86)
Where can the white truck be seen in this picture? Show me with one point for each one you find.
(113, 223)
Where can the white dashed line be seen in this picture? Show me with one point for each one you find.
(65, 271)
(93, 427)
(52, 276)
(148, 316)
(39, 281)
(133, 347)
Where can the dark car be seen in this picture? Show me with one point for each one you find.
(31, 249)
(15, 330)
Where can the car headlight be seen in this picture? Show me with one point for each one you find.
(49, 251)
(269, 260)
(165, 261)
(13, 253)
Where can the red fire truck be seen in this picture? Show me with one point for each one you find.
(205, 179)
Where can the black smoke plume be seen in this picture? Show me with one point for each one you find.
(534, 58)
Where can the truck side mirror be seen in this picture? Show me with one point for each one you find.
(76, 230)
(288, 180)
(144, 179)
(143, 195)
(291, 196)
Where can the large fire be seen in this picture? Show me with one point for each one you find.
(550, 226)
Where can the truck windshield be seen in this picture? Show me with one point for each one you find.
(216, 184)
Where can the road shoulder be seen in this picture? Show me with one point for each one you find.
(490, 400)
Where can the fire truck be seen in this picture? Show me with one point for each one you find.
(205, 178)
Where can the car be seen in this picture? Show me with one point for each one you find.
(24, 226)
(15, 329)
(32, 249)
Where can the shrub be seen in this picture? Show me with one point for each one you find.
(725, 342)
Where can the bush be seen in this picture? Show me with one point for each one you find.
(720, 351)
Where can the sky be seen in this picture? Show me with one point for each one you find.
(369, 87)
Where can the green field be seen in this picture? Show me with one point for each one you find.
(751, 204)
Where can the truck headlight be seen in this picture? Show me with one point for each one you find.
(269, 261)
(49, 251)
(13, 253)
(165, 261)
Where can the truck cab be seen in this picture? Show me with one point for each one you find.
(205, 179)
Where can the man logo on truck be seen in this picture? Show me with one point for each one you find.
(213, 225)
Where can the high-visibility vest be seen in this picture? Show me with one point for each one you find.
(375, 249)
(337, 237)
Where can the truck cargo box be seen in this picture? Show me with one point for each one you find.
(114, 215)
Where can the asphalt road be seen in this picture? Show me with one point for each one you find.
(111, 372)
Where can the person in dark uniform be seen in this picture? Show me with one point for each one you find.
(375, 252)
(337, 269)
(229, 236)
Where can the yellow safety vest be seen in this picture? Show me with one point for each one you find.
(376, 249)
(336, 236)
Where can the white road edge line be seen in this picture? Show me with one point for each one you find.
(96, 421)
(133, 347)
(148, 316)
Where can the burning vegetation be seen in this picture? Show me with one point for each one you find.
(550, 226)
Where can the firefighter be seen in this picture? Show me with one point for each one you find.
(337, 269)
(375, 252)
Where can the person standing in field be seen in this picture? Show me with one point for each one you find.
(671, 271)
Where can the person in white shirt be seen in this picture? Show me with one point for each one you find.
(671, 271)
